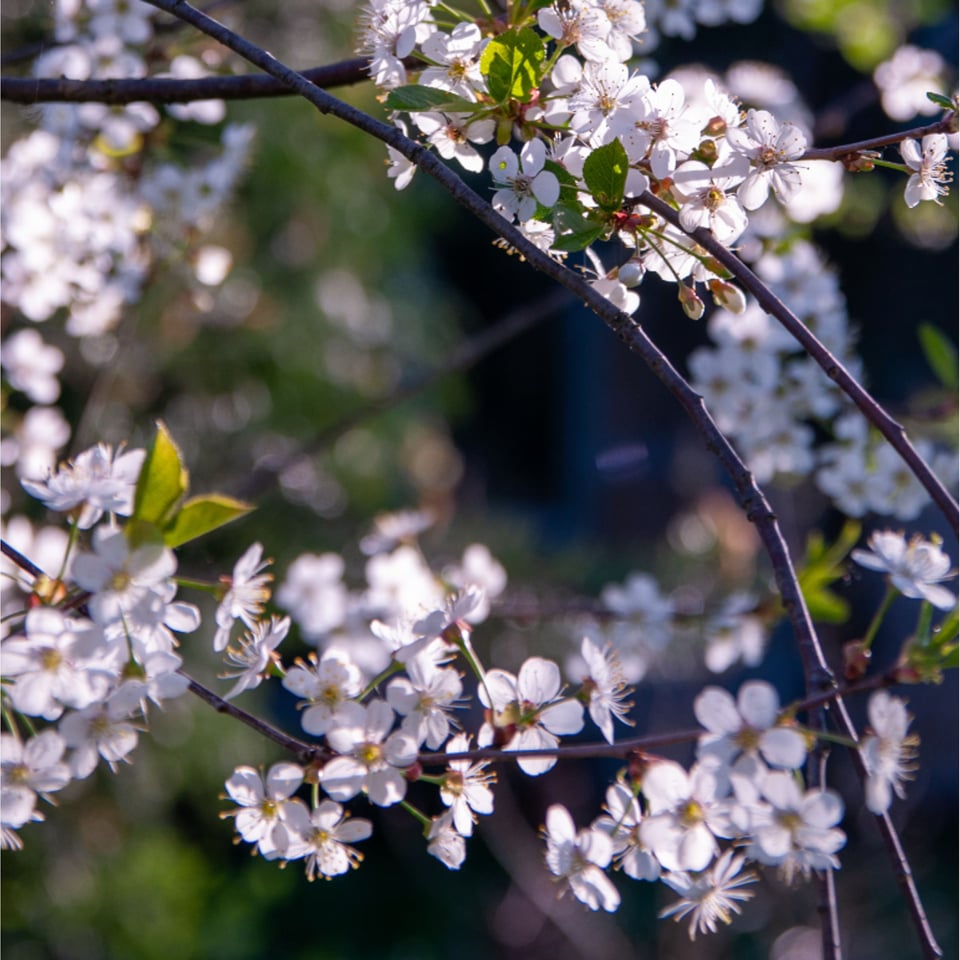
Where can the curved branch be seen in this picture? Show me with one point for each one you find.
(892, 431)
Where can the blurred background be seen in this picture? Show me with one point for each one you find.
(316, 381)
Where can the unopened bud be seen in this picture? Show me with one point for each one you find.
(728, 296)
(859, 162)
(856, 659)
(716, 127)
(413, 772)
(692, 304)
(707, 152)
(631, 273)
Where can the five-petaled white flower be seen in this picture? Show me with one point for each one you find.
(373, 758)
(256, 652)
(527, 708)
(915, 568)
(711, 895)
(770, 147)
(249, 590)
(323, 836)
(266, 813)
(523, 183)
(888, 752)
(579, 858)
(930, 175)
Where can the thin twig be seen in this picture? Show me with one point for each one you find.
(892, 431)
(945, 124)
(466, 355)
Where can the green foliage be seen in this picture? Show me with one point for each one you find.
(159, 511)
(512, 65)
(415, 98)
(825, 565)
(605, 174)
(941, 354)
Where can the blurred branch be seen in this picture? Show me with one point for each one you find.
(894, 432)
(30, 90)
(466, 355)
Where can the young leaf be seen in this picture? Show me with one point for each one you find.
(511, 64)
(605, 174)
(940, 100)
(824, 565)
(162, 483)
(941, 354)
(200, 515)
(574, 231)
(414, 98)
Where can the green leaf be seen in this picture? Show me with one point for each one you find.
(605, 174)
(940, 100)
(941, 354)
(200, 515)
(574, 231)
(511, 64)
(162, 483)
(414, 98)
(824, 565)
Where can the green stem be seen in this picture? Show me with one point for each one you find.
(414, 812)
(394, 667)
(205, 585)
(879, 615)
(924, 621)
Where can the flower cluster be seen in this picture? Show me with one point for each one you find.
(595, 135)
(381, 702)
(88, 210)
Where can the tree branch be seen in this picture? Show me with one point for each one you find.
(946, 124)
(30, 90)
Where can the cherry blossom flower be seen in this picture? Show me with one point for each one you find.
(326, 685)
(98, 481)
(770, 146)
(322, 838)
(246, 595)
(523, 183)
(32, 366)
(424, 698)
(661, 128)
(118, 577)
(101, 730)
(480, 569)
(706, 202)
(797, 831)
(55, 664)
(930, 177)
(889, 754)
(579, 858)
(686, 812)
(601, 104)
(457, 58)
(373, 758)
(35, 764)
(711, 896)
(622, 822)
(528, 709)
(266, 814)
(466, 787)
(257, 651)
(581, 24)
(915, 568)
(747, 726)
(453, 136)
(314, 593)
(445, 842)
(604, 687)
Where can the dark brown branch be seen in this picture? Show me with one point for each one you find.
(892, 431)
(28, 90)
(946, 124)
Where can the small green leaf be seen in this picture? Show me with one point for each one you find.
(574, 231)
(511, 64)
(941, 354)
(200, 515)
(823, 566)
(940, 100)
(605, 174)
(414, 98)
(162, 483)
